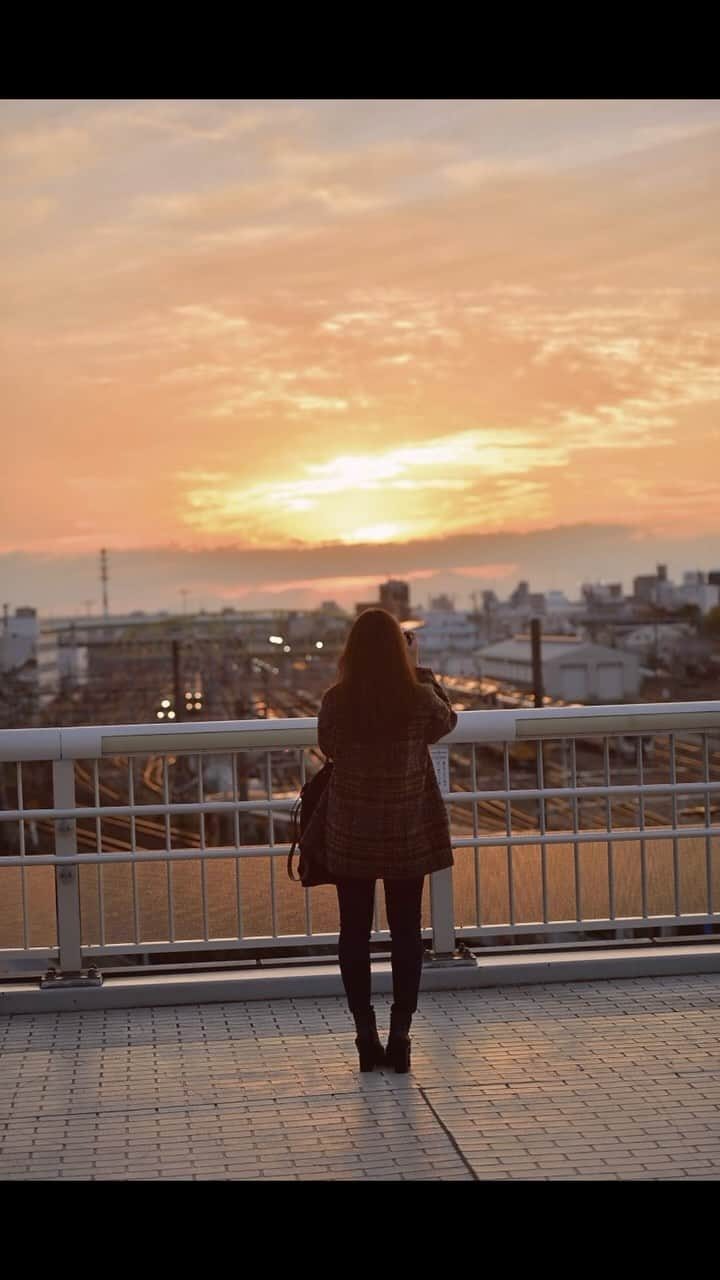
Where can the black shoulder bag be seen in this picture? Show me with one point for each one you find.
(309, 812)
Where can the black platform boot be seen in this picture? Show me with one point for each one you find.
(367, 1041)
(397, 1054)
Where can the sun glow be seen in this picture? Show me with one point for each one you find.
(374, 533)
(311, 326)
(445, 484)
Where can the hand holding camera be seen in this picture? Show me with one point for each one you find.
(412, 645)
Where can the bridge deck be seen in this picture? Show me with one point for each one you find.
(604, 1080)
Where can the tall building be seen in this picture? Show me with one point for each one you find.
(704, 595)
(442, 604)
(395, 597)
(19, 638)
(602, 593)
(520, 597)
(645, 588)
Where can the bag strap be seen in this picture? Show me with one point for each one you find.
(295, 826)
(289, 862)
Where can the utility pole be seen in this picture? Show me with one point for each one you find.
(104, 581)
(535, 645)
(178, 692)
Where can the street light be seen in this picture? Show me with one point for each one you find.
(318, 644)
(193, 700)
(275, 639)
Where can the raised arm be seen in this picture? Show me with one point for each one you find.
(327, 724)
(442, 718)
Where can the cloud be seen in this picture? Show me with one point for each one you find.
(19, 215)
(152, 577)
(285, 296)
(47, 152)
(344, 491)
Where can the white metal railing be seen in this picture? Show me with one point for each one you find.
(137, 839)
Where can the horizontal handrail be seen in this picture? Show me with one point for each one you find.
(93, 742)
(538, 856)
(618, 835)
(179, 807)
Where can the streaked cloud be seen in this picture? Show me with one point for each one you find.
(279, 323)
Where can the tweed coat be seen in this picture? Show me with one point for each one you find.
(385, 816)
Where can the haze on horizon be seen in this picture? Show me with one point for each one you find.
(271, 351)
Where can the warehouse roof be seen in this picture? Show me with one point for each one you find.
(518, 649)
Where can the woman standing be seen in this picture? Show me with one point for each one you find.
(385, 816)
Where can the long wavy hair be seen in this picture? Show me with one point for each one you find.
(378, 677)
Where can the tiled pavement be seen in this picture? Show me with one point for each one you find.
(605, 1080)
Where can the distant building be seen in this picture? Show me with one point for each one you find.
(395, 597)
(48, 674)
(366, 604)
(645, 588)
(573, 670)
(657, 643)
(561, 612)
(44, 655)
(19, 638)
(449, 639)
(520, 597)
(665, 592)
(694, 590)
(602, 593)
(697, 588)
(442, 604)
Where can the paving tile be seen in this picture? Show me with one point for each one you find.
(595, 1081)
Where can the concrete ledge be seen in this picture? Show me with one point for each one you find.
(291, 983)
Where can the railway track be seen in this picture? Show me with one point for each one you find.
(147, 826)
(490, 816)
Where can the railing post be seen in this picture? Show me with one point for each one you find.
(442, 903)
(67, 889)
(443, 912)
(442, 897)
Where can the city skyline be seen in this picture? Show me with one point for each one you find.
(274, 351)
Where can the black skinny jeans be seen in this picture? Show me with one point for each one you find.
(403, 899)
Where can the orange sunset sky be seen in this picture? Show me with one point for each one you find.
(270, 351)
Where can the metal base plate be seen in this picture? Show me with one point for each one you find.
(53, 981)
(462, 956)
